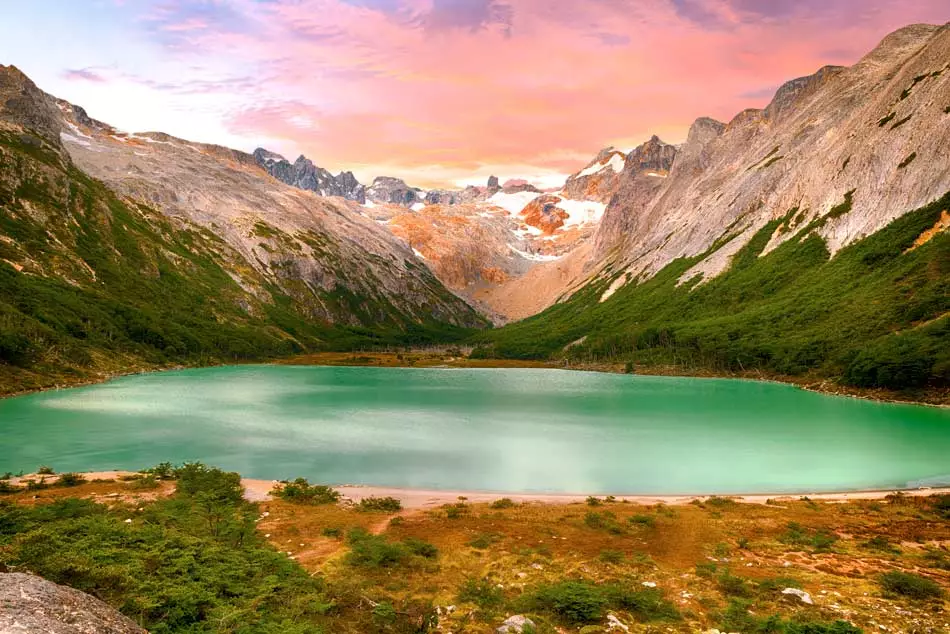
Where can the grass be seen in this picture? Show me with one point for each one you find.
(872, 317)
(216, 563)
(910, 585)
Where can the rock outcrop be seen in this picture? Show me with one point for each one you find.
(303, 174)
(33, 604)
(393, 191)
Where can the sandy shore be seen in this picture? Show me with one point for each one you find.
(259, 491)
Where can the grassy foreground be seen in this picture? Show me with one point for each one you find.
(180, 550)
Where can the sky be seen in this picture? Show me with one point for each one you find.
(438, 92)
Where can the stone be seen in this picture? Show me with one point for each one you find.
(515, 625)
(33, 604)
(613, 623)
(801, 594)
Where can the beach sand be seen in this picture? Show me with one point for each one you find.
(259, 491)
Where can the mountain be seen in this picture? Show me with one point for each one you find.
(122, 251)
(305, 175)
(806, 238)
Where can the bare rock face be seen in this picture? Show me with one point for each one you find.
(874, 133)
(392, 191)
(544, 214)
(304, 174)
(30, 604)
(599, 178)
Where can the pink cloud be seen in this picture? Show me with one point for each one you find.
(441, 88)
(83, 74)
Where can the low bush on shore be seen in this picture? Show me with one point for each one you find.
(384, 504)
(302, 492)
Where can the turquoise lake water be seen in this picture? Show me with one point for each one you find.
(514, 430)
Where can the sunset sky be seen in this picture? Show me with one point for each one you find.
(435, 91)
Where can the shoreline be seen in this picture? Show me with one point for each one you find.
(430, 360)
(258, 490)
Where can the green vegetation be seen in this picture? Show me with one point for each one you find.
(111, 285)
(503, 503)
(875, 315)
(909, 585)
(797, 535)
(375, 551)
(576, 602)
(482, 593)
(190, 563)
(385, 504)
(302, 492)
(737, 618)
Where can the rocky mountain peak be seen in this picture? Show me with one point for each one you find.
(389, 190)
(23, 104)
(654, 155)
(493, 182)
(791, 91)
(303, 174)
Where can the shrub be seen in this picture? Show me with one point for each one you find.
(145, 483)
(421, 547)
(70, 480)
(455, 511)
(373, 551)
(611, 556)
(45, 470)
(482, 593)
(484, 540)
(576, 602)
(593, 501)
(503, 503)
(162, 471)
(384, 613)
(643, 520)
(733, 586)
(384, 504)
(881, 543)
(334, 532)
(302, 492)
(647, 604)
(796, 535)
(909, 585)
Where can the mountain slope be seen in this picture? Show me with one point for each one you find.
(194, 256)
(782, 241)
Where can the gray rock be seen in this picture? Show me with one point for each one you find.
(303, 174)
(392, 191)
(515, 625)
(33, 604)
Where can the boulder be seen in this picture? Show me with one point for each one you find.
(515, 625)
(33, 604)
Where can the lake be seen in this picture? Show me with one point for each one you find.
(506, 430)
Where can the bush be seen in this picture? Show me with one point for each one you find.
(162, 471)
(484, 540)
(797, 535)
(334, 532)
(421, 548)
(647, 604)
(611, 556)
(733, 586)
(593, 501)
(482, 593)
(575, 602)
(70, 480)
(909, 585)
(643, 520)
(373, 551)
(455, 511)
(384, 504)
(302, 492)
(503, 503)
(145, 483)
(45, 470)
